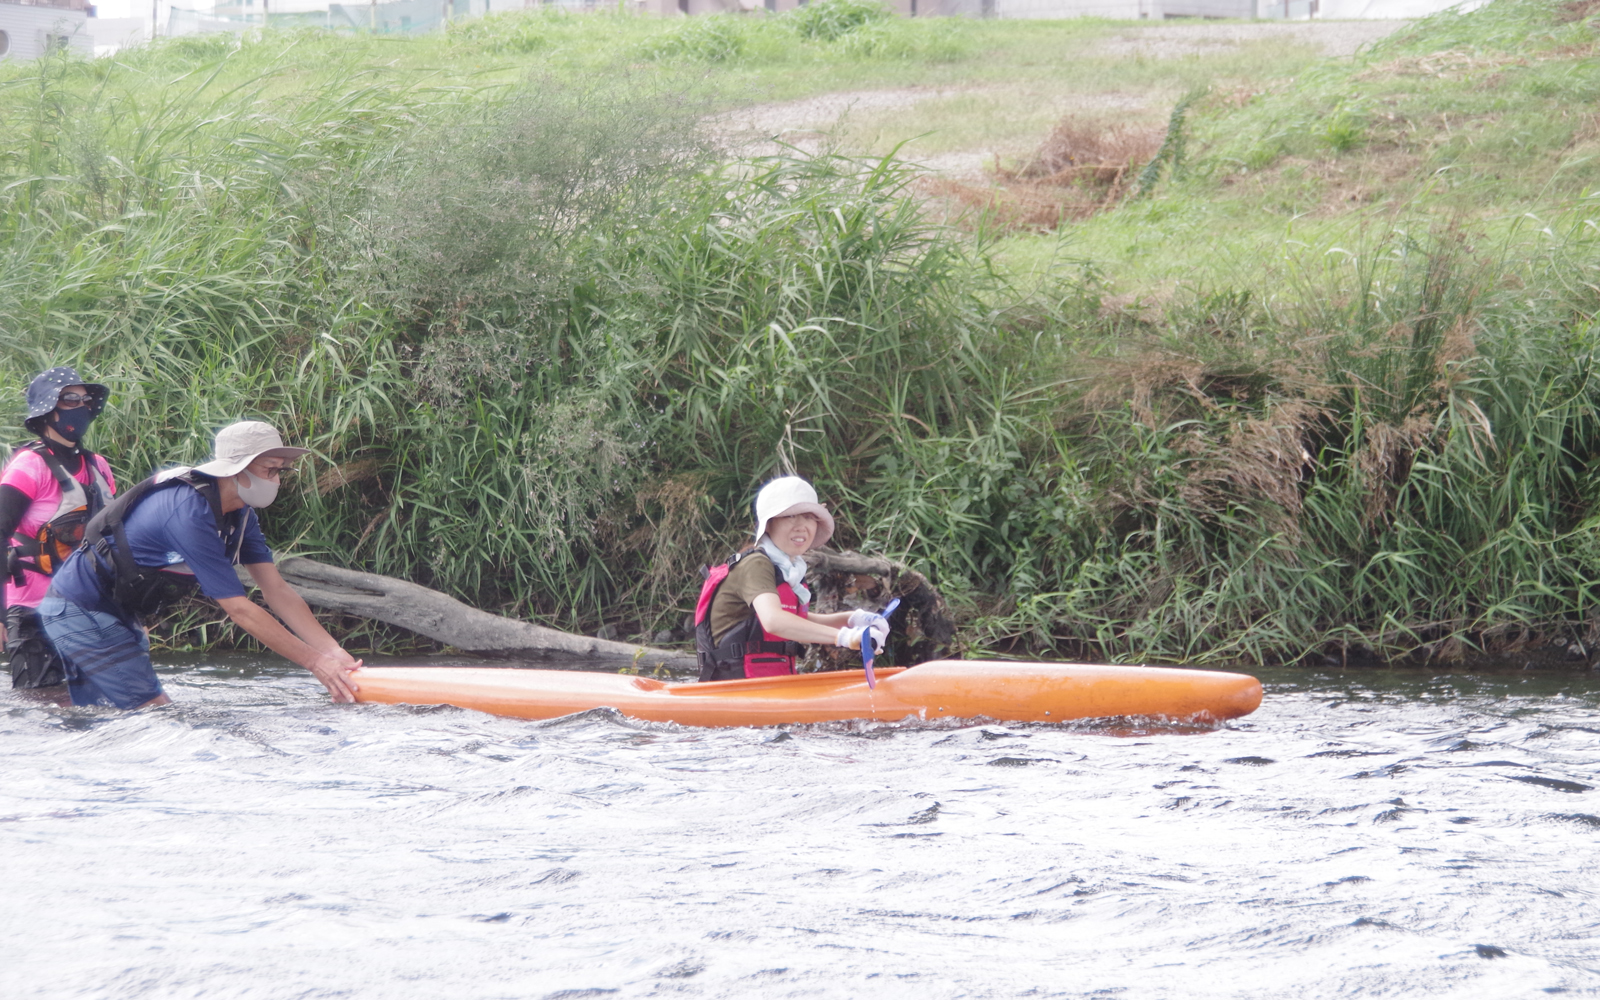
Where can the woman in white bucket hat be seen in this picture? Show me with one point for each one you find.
(753, 614)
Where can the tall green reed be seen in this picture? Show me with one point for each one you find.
(546, 344)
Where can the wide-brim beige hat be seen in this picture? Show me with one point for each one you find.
(788, 496)
(242, 443)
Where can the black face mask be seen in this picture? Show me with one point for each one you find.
(71, 424)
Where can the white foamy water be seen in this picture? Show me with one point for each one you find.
(1362, 835)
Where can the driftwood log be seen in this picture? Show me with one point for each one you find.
(921, 626)
(444, 619)
(920, 629)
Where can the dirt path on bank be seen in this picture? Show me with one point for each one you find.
(868, 120)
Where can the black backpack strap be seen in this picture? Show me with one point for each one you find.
(137, 588)
(106, 539)
(207, 488)
(94, 491)
(107, 524)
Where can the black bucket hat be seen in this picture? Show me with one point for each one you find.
(44, 392)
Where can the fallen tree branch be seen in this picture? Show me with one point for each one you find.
(845, 579)
(444, 619)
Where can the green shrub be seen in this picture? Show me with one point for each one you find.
(933, 40)
(519, 32)
(1342, 131)
(713, 38)
(830, 20)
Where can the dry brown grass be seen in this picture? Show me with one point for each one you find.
(1078, 149)
(1265, 458)
(1084, 166)
(335, 476)
(1458, 64)
(1577, 10)
(674, 532)
(1449, 64)
(1294, 388)
(1008, 208)
(1341, 185)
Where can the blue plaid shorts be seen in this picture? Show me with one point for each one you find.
(106, 660)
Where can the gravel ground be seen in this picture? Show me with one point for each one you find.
(813, 114)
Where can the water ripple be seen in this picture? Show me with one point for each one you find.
(1361, 835)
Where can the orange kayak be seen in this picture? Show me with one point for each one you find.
(1001, 690)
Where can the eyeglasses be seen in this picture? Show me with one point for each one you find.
(73, 400)
(270, 470)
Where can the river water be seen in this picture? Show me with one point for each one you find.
(1364, 834)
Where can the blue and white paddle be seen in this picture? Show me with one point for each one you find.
(866, 644)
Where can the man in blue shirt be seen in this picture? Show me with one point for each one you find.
(183, 530)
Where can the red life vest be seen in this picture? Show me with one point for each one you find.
(747, 650)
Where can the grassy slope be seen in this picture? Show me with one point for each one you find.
(1281, 448)
(1484, 120)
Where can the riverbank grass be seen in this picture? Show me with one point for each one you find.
(1310, 381)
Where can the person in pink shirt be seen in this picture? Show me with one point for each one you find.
(48, 491)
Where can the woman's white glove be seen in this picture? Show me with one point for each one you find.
(872, 620)
(848, 638)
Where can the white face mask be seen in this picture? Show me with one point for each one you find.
(260, 493)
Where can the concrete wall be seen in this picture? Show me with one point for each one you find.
(31, 31)
(1206, 8)
(113, 33)
(1350, 10)
(1156, 10)
(672, 8)
(1120, 10)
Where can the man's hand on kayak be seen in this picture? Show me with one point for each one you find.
(334, 673)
